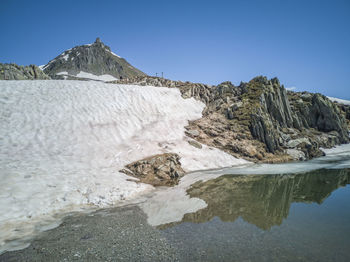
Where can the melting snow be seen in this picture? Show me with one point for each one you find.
(63, 142)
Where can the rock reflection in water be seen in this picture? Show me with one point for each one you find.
(262, 200)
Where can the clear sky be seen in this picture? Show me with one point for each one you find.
(305, 43)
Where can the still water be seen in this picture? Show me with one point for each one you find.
(287, 217)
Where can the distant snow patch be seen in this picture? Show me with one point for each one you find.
(82, 74)
(340, 101)
(65, 57)
(291, 88)
(104, 78)
(41, 67)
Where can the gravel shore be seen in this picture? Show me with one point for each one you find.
(119, 234)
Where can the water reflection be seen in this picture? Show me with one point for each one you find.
(262, 200)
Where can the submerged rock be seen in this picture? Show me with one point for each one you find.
(159, 170)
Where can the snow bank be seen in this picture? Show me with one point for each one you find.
(340, 101)
(63, 142)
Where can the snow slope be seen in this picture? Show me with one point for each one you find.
(63, 142)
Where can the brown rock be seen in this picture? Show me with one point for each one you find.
(158, 170)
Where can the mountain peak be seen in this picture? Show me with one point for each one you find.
(94, 59)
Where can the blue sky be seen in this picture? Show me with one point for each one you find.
(306, 44)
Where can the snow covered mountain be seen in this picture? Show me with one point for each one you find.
(92, 61)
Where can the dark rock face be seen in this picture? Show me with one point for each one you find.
(96, 59)
(345, 111)
(318, 112)
(158, 170)
(16, 72)
(273, 113)
(260, 120)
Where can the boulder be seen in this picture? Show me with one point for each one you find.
(158, 170)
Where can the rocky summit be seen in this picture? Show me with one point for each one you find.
(261, 120)
(89, 61)
(17, 72)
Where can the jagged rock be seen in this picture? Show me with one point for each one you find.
(345, 111)
(96, 59)
(16, 72)
(159, 170)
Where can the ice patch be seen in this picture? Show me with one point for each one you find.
(63, 142)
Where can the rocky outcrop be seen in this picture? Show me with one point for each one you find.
(261, 120)
(159, 170)
(344, 109)
(96, 58)
(16, 72)
(317, 111)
